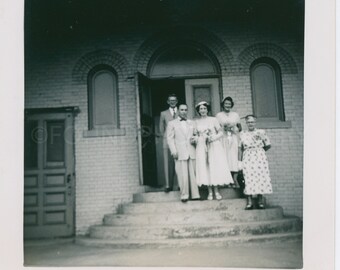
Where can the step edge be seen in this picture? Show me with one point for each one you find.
(205, 211)
(228, 224)
(195, 239)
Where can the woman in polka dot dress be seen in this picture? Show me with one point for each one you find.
(253, 144)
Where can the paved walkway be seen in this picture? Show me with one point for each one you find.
(66, 253)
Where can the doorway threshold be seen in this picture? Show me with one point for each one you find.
(153, 189)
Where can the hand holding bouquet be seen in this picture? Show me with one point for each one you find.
(207, 135)
(194, 139)
(230, 128)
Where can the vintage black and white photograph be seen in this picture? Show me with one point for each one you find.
(164, 133)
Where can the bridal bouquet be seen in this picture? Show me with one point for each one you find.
(207, 135)
(230, 128)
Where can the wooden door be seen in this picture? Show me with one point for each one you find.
(197, 90)
(49, 175)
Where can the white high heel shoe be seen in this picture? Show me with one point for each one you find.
(218, 196)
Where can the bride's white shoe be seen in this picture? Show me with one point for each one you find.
(218, 196)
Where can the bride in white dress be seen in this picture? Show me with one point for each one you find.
(211, 164)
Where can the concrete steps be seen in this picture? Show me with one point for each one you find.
(167, 231)
(177, 206)
(158, 219)
(189, 242)
(156, 197)
(187, 217)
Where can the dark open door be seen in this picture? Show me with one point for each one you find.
(146, 132)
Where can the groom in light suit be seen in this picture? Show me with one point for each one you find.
(179, 135)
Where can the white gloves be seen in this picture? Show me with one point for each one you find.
(240, 165)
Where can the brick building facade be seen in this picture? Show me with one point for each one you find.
(107, 163)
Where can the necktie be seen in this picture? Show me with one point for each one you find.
(183, 119)
(173, 113)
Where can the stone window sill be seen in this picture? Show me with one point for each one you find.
(104, 132)
(273, 124)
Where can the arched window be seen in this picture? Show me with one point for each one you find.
(266, 89)
(103, 98)
(182, 61)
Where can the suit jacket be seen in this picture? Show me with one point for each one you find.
(179, 139)
(164, 119)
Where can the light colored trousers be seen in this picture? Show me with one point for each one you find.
(169, 170)
(185, 170)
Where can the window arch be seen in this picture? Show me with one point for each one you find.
(266, 86)
(103, 98)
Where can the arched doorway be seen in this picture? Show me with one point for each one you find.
(191, 72)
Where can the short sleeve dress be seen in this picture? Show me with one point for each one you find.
(229, 122)
(211, 169)
(255, 163)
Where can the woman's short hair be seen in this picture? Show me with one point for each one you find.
(248, 116)
(205, 104)
(229, 99)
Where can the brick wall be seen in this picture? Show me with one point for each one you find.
(107, 167)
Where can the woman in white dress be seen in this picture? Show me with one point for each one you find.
(230, 122)
(211, 169)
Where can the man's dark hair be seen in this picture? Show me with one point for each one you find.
(183, 104)
(172, 95)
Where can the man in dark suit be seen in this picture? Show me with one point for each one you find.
(169, 164)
